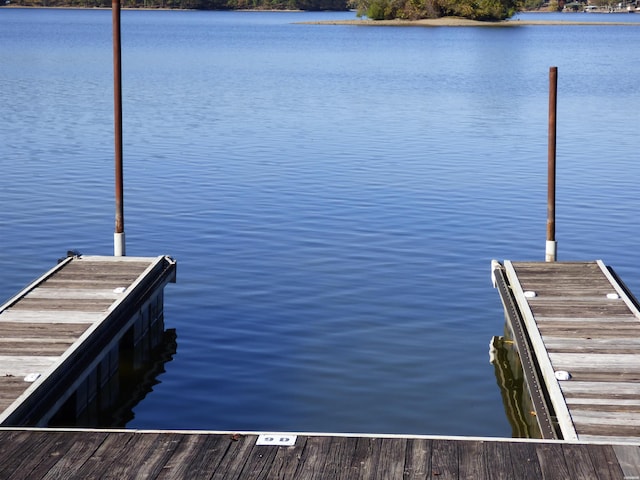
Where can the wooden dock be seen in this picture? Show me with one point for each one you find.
(60, 336)
(577, 329)
(50, 454)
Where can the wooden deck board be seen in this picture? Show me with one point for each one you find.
(580, 320)
(43, 449)
(196, 456)
(65, 304)
(21, 366)
(418, 460)
(179, 462)
(72, 457)
(75, 293)
(601, 362)
(235, 458)
(585, 344)
(524, 460)
(392, 459)
(13, 347)
(444, 459)
(107, 461)
(629, 458)
(578, 462)
(605, 462)
(552, 461)
(149, 456)
(13, 446)
(49, 317)
(258, 462)
(74, 454)
(10, 389)
(474, 459)
(286, 461)
(339, 454)
(601, 389)
(37, 331)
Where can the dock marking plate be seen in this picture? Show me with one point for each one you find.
(283, 440)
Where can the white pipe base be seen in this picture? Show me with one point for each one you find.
(118, 245)
(551, 251)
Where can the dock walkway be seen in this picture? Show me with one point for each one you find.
(49, 454)
(60, 335)
(583, 331)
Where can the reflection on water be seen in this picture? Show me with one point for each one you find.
(135, 372)
(513, 387)
(139, 372)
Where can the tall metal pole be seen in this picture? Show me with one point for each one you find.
(118, 236)
(551, 248)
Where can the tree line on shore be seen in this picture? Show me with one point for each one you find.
(311, 5)
(373, 9)
(484, 10)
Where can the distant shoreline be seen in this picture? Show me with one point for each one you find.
(426, 22)
(168, 9)
(461, 22)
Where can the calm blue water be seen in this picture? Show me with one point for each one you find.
(333, 196)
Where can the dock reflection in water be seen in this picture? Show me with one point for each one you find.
(515, 394)
(134, 373)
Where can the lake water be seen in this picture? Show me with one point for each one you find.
(333, 196)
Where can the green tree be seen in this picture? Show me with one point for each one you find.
(554, 6)
(415, 9)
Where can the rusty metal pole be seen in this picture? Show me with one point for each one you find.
(118, 236)
(551, 248)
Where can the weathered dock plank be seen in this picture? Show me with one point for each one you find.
(55, 333)
(579, 318)
(524, 460)
(48, 317)
(629, 458)
(474, 455)
(418, 459)
(362, 464)
(553, 463)
(286, 461)
(48, 454)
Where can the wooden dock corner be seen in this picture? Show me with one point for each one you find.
(60, 335)
(577, 330)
